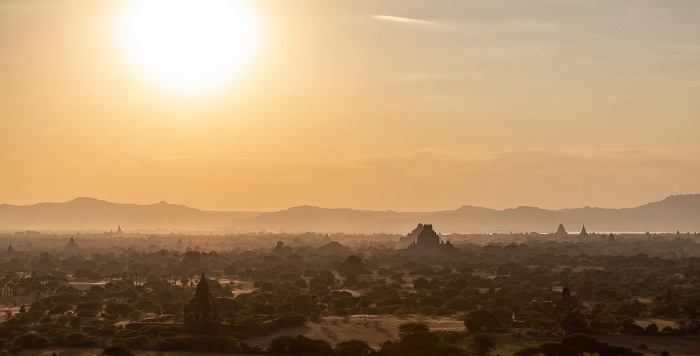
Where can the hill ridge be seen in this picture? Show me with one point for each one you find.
(673, 213)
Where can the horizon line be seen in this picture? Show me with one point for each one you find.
(348, 208)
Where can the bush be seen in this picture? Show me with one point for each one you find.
(117, 350)
(651, 329)
(60, 308)
(136, 342)
(31, 341)
(353, 348)
(207, 327)
(200, 343)
(481, 319)
(74, 339)
(299, 345)
(290, 320)
(528, 351)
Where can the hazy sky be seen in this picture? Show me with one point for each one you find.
(402, 105)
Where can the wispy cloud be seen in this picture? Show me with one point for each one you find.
(405, 20)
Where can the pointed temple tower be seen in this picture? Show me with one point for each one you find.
(71, 244)
(561, 232)
(583, 231)
(202, 306)
(565, 304)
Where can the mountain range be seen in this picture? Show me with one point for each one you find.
(674, 213)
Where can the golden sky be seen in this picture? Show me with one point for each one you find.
(402, 105)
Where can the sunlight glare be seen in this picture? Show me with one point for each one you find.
(189, 46)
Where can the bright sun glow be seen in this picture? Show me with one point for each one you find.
(189, 46)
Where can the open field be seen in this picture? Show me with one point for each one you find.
(374, 329)
(676, 346)
(660, 322)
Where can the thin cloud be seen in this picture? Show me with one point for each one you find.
(404, 20)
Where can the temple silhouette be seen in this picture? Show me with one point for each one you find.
(561, 232)
(426, 239)
(202, 306)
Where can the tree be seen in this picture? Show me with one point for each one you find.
(352, 264)
(119, 309)
(353, 348)
(481, 319)
(528, 351)
(482, 344)
(577, 344)
(230, 270)
(350, 281)
(580, 343)
(421, 283)
(408, 329)
(74, 339)
(651, 329)
(60, 308)
(207, 327)
(31, 341)
(575, 322)
(117, 350)
(299, 345)
(417, 340)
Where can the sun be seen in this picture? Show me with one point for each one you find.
(189, 46)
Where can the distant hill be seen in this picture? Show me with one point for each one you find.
(89, 213)
(675, 213)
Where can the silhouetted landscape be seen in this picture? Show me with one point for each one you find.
(423, 292)
(349, 178)
(675, 213)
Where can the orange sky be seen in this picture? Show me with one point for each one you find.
(402, 105)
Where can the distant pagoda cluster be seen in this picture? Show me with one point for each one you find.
(561, 232)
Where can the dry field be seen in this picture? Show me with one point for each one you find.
(5, 308)
(374, 329)
(660, 322)
(656, 344)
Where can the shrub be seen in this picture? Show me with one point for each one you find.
(74, 339)
(299, 345)
(31, 341)
(136, 342)
(117, 350)
(290, 320)
(353, 348)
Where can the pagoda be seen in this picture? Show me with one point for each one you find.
(583, 231)
(561, 232)
(202, 306)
